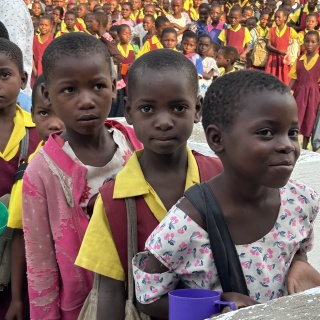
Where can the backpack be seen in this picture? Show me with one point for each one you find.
(260, 52)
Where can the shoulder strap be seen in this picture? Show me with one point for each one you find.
(24, 146)
(226, 257)
(300, 16)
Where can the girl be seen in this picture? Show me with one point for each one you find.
(62, 180)
(70, 21)
(311, 24)
(278, 42)
(210, 68)
(40, 43)
(149, 26)
(58, 13)
(202, 22)
(115, 13)
(305, 79)
(126, 13)
(36, 12)
(169, 38)
(253, 128)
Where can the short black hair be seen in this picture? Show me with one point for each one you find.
(160, 21)
(226, 97)
(113, 29)
(204, 6)
(312, 33)
(189, 35)
(71, 12)
(75, 44)
(246, 8)
(85, 5)
(122, 27)
(215, 5)
(4, 32)
(216, 46)
(61, 11)
(235, 9)
(169, 30)
(163, 60)
(205, 35)
(12, 52)
(47, 17)
(129, 4)
(264, 11)
(101, 17)
(150, 16)
(283, 11)
(253, 18)
(36, 85)
(230, 53)
(313, 14)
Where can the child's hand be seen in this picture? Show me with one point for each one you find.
(243, 56)
(302, 276)
(282, 52)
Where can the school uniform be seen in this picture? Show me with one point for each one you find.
(306, 91)
(305, 11)
(223, 71)
(279, 40)
(62, 32)
(197, 61)
(151, 44)
(214, 32)
(108, 228)
(237, 37)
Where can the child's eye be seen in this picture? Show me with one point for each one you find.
(179, 108)
(43, 113)
(68, 90)
(5, 75)
(294, 133)
(265, 132)
(99, 86)
(146, 109)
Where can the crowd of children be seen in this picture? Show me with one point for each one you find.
(163, 65)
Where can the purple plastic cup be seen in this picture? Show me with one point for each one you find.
(195, 304)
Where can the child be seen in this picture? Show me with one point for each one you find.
(127, 50)
(154, 43)
(169, 38)
(164, 6)
(137, 13)
(251, 23)
(115, 13)
(305, 79)
(194, 11)
(57, 18)
(213, 51)
(48, 10)
(311, 24)
(40, 43)
(236, 35)
(114, 33)
(223, 18)
(278, 42)
(188, 46)
(179, 19)
(202, 22)
(226, 58)
(17, 132)
(149, 26)
(126, 11)
(210, 68)
(70, 21)
(36, 12)
(247, 12)
(271, 6)
(214, 29)
(62, 180)
(46, 123)
(163, 118)
(82, 10)
(253, 128)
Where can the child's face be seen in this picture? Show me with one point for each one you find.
(197, 3)
(188, 45)
(48, 2)
(92, 24)
(264, 20)
(82, 11)
(176, 6)
(11, 81)
(126, 12)
(264, 139)
(163, 111)
(234, 18)
(44, 117)
(312, 4)
(287, 8)
(221, 59)
(56, 16)
(251, 24)
(36, 9)
(279, 18)
(80, 91)
(163, 26)
(60, 3)
(204, 45)
(106, 8)
(48, 10)
(311, 42)
(311, 23)
(71, 6)
(147, 24)
(215, 14)
(166, 5)
(149, 10)
(223, 18)
(203, 15)
(113, 5)
(271, 6)
(247, 14)
(114, 35)
(125, 35)
(70, 21)
(45, 26)
(169, 40)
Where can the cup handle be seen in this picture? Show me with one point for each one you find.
(232, 305)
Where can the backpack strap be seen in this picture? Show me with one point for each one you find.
(300, 16)
(226, 256)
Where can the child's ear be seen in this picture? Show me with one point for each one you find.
(214, 138)
(114, 89)
(198, 109)
(45, 94)
(127, 110)
(24, 80)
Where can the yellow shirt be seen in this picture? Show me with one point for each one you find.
(247, 35)
(15, 205)
(223, 72)
(280, 33)
(21, 121)
(58, 34)
(146, 47)
(194, 15)
(301, 35)
(308, 65)
(262, 32)
(296, 15)
(130, 182)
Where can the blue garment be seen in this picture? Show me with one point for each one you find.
(24, 101)
(197, 61)
(200, 27)
(214, 32)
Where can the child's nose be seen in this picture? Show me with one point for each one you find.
(85, 100)
(56, 124)
(164, 121)
(285, 144)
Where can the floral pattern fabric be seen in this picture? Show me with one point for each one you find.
(184, 248)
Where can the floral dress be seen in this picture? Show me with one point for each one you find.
(183, 247)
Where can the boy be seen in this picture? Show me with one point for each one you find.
(163, 118)
(226, 58)
(82, 10)
(236, 35)
(18, 137)
(188, 46)
(169, 38)
(202, 22)
(154, 42)
(214, 29)
(70, 21)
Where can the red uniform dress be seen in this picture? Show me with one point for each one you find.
(128, 59)
(275, 65)
(307, 95)
(38, 50)
(235, 39)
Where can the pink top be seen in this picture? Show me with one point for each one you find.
(54, 225)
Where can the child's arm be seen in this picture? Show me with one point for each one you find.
(291, 84)
(271, 48)
(111, 299)
(34, 69)
(243, 55)
(207, 75)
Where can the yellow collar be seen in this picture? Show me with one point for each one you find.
(236, 29)
(125, 53)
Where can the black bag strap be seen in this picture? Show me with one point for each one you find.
(300, 16)
(226, 257)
